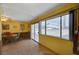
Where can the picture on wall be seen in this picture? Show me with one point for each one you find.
(5, 26)
(22, 26)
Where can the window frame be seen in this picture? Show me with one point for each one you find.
(70, 19)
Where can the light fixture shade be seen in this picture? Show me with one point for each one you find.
(3, 18)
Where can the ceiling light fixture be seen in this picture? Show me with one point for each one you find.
(3, 18)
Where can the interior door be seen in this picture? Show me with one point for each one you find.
(37, 32)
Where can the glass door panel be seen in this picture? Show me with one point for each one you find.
(37, 32)
(32, 31)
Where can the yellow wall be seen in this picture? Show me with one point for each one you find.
(58, 45)
(15, 26)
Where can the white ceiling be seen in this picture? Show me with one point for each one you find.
(27, 11)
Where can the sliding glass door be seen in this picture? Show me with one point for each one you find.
(37, 32)
(34, 32)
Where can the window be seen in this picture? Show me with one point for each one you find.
(65, 26)
(58, 27)
(42, 27)
(53, 27)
